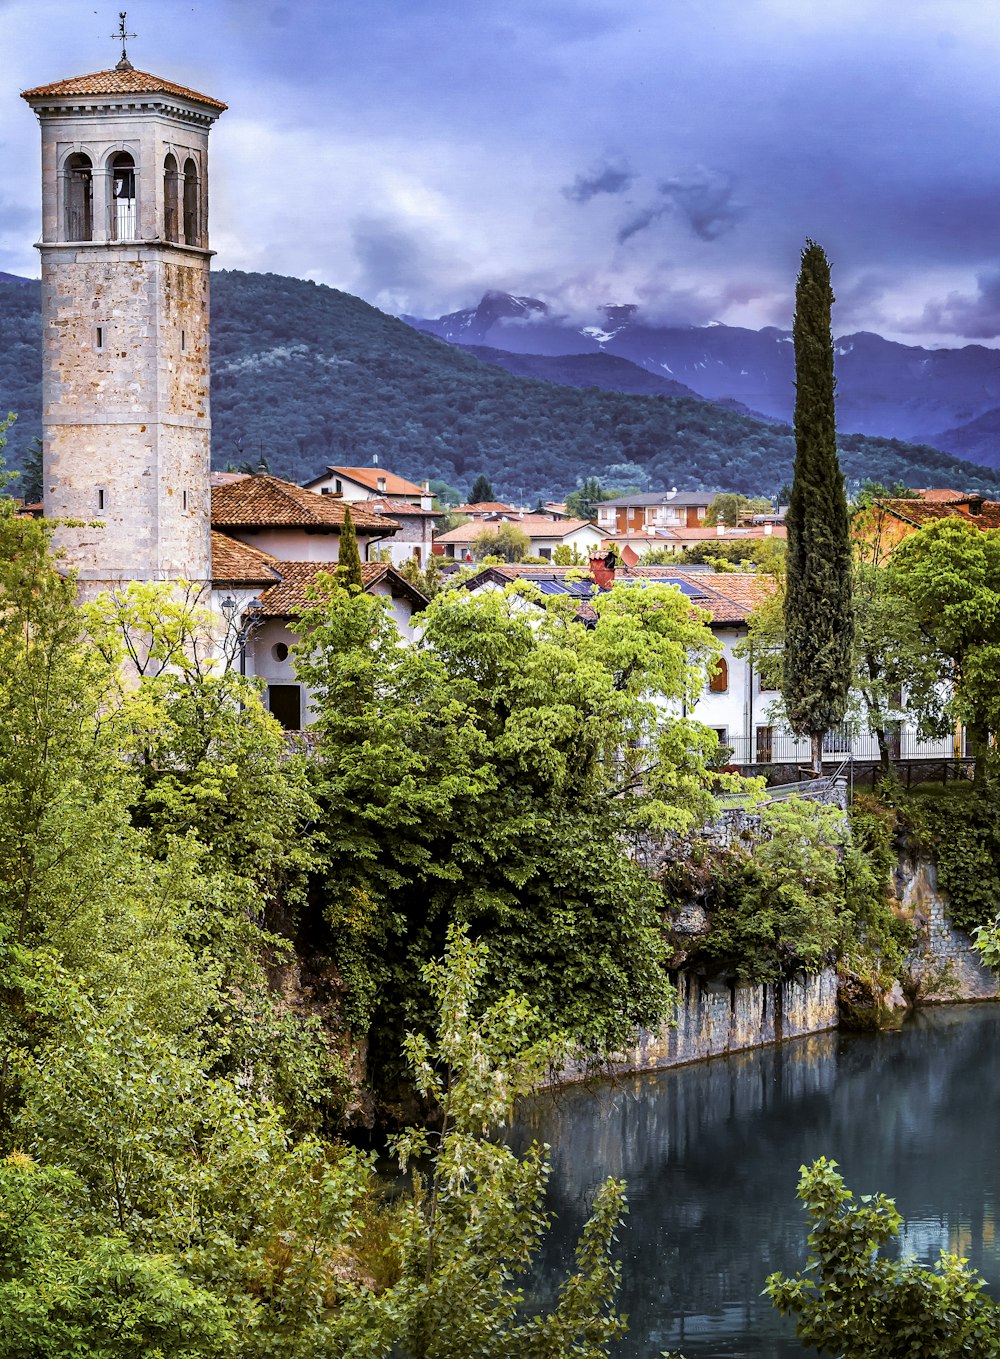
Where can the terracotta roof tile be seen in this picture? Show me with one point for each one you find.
(269, 502)
(485, 507)
(382, 505)
(923, 512)
(370, 477)
(288, 596)
(729, 597)
(234, 562)
(128, 81)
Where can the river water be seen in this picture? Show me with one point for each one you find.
(711, 1154)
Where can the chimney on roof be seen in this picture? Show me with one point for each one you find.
(602, 569)
(720, 530)
(671, 493)
(768, 530)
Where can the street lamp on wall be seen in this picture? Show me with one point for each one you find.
(252, 617)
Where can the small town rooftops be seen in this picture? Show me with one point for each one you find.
(269, 502)
(485, 507)
(728, 597)
(119, 81)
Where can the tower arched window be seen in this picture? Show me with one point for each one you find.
(192, 215)
(124, 216)
(171, 198)
(79, 198)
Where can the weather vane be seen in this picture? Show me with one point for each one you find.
(122, 36)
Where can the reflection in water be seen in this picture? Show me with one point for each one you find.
(711, 1154)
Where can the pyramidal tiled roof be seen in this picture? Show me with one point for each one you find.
(125, 80)
(269, 502)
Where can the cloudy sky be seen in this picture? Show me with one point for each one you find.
(671, 153)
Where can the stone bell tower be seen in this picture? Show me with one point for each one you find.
(125, 283)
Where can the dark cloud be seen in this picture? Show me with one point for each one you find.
(703, 200)
(971, 316)
(611, 177)
(390, 255)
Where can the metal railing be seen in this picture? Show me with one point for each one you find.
(768, 745)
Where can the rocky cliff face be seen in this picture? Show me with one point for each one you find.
(944, 966)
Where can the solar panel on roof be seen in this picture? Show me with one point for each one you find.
(686, 587)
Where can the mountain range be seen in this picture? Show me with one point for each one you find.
(949, 398)
(304, 376)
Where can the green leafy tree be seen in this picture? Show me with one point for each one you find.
(567, 554)
(853, 1302)
(732, 509)
(348, 556)
(476, 1219)
(444, 494)
(583, 503)
(482, 491)
(513, 757)
(507, 542)
(947, 578)
(819, 622)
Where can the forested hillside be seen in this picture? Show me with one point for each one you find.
(307, 375)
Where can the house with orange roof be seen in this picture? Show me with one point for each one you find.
(887, 521)
(291, 523)
(272, 590)
(364, 483)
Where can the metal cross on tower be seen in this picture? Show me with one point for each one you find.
(122, 36)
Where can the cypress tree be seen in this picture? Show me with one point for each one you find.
(819, 620)
(482, 491)
(348, 557)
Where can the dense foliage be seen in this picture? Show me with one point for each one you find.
(308, 376)
(495, 774)
(960, 829)
(798, 896)
(854, 1302)
(819, 619)
(164, 1187)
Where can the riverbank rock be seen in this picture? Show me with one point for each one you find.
(944, 966)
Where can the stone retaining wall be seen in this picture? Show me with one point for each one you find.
(713, 1019)
(944, 966)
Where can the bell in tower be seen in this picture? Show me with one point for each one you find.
(125, 304)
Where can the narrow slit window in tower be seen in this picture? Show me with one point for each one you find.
(124, 222)
(79, 183)
(184, 500)
(183, 342)
(192, 224)
(101, 498)
(171, 198)
(99, 337)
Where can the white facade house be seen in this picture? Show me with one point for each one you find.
(368, 483)
(738, 701)
(545, 533)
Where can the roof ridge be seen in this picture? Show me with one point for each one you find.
(117, 81)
